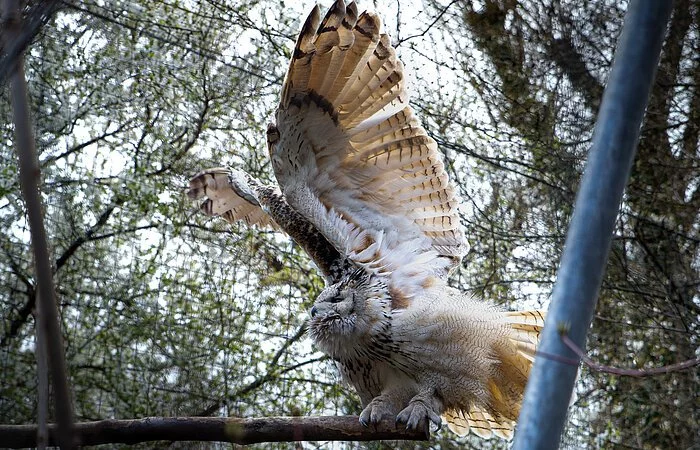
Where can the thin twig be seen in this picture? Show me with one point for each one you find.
(558, 358)
(423, 33)
(626, 372)
(588, 362)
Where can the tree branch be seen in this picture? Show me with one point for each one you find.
(563, 52)
(428, 28)
(223, 429)
(75, 245)
(588, 362)
(184, 45)
(627, 372)
(39, 15)
(26, 310)
(20, 320)
(89, 142)
(268, 376)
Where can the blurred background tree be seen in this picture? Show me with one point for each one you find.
(166, 312)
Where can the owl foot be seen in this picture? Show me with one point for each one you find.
(419, 411)
(375, 411)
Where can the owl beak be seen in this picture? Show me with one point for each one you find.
(313, 311)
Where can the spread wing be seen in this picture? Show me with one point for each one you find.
(235, 195)
(227, 193)
(350, 155)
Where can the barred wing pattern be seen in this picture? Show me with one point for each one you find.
(227, 194)
(234, 195)
(350, 155)
(499, 417)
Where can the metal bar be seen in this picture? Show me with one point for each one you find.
(48, 328)
(588, 241)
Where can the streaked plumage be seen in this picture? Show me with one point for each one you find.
(362, 188)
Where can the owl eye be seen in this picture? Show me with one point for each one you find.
(336, 299)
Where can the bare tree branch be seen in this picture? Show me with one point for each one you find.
(28, 306)
(570, 60)
(87, 237)
(428, 28)
(268, 376)
(627, 372)
(588, 362)
(78, 6)
(223, 429)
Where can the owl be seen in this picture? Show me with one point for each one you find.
(361, 187)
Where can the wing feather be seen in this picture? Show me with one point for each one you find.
(334, 38)
(366, 35)
(234, 195)
(398, 126)
(299, 72)
(498, 418)
(352, 158)
(220, 199)
(346, 39)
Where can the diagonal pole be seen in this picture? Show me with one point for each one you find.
(48, 328)
(588, 240)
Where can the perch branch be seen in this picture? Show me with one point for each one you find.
(223, 429)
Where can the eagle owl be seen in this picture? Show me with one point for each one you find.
(362, 188)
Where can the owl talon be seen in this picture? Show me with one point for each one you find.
(418, 412)
(377, 410)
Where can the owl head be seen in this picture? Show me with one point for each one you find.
(349, 308)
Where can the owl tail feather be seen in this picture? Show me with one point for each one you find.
(516, 355)
(525, 332)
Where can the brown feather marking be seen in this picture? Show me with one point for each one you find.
(429, 282)
(367, 240)
(365, 35)
(334, 64)
(399, 300)
(312, 96)
(326, 42)
(368, 25)
(297, 75)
